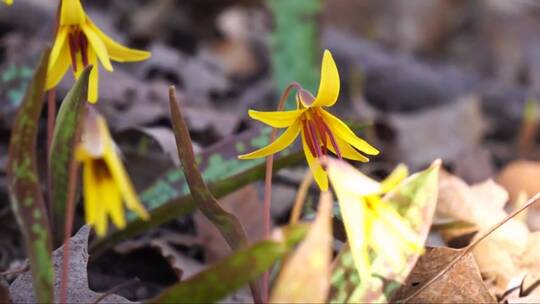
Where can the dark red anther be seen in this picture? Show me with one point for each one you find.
(73, 51)
(84, 48)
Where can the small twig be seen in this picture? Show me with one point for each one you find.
(301, 197)
(471, 246)
(15, 271)
(267, 202)
(115, 289)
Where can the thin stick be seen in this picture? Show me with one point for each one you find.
(15, 271)
(468, 249)
(268, 186)
(72, 184)
(115, 289)
(301, 197)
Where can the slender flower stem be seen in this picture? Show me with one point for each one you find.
(51, 119)
(70, 213)
(301, 197)
(268, 186)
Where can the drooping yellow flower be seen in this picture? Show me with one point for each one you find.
(79, 42)
(320, 130)
(370, 222)
(105, 181)
(8, 2)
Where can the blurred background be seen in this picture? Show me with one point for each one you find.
(424, 79)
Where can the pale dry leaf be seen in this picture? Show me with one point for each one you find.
(461, 284)
(78, 291)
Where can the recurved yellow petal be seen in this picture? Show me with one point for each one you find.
(98, 46)
(58, 46)
(279, 144)
(318, 172)
(93, 82)
(276, 119)
(118, 52)
(349, 182)
(123, 182)
(397, 176)
(347, 151)
(100, 211)
(72, 13)
(90, 195)
(340, 129)
(329, 84)
(57, 71)
(113, 203)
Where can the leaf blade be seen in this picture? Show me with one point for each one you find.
(24, 188)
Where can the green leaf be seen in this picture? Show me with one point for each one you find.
(24, 188)
(305, 277)
(233, 272)
(294, 44)
(415, 199)
(63, 148)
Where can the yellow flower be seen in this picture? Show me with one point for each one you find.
(8, 2)
(370, 222)
(105, 181)
(79, 42)
(320, 130)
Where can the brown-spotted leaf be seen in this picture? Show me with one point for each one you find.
(235, 271)
(24, 187)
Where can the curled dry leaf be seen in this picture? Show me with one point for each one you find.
(461, 284)
(499, 255)
(521, 176)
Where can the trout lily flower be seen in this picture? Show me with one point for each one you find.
(320, 131)
(372, 223)
(105, 181)
(79, 42)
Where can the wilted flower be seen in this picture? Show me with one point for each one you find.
(370, 222)
(320, 130)
(79, 42)
(105, 181)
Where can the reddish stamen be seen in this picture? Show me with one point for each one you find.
(309, 140)
(332, 139)
(319, 123)
(315, 139)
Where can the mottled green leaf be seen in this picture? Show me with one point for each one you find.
(305, 277)
(233, 272)
(415, 200)
(294, 43)
(24, 187)
(63, 148)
